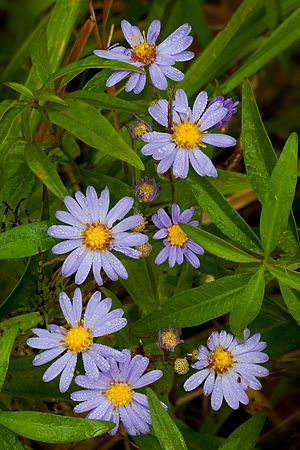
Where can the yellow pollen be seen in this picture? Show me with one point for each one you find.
(169, 339)
(176, 236)
(147, 190)
(221, 360)
(144, 53)
(119, 393)
(78, 339)
(139, 130)
(187, 135)
(97, 237)
(140, 227)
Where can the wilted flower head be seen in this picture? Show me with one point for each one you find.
(113, 396)
(181, 145)
(139, 128)
(144, 53)
(77, 338)
(229, 105)
(91, 236)
(146, 189)
(145, 249)
(177, 243)
(168, 339)
(229, 367)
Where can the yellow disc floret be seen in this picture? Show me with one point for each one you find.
(169, 339)
(147, 190)
(78, 339)
(97, 237)
(221, 360)
(139, 130)
(119, 393)
(176, 236)
(187, 135)
(144, 53)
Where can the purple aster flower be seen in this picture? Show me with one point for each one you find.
(91, 236)
(169, 339)
(189, 131)
(229, 105)
(113, 396)
(139, 128)
(144, 53)
(78, 337)
(177, 244)
(146, 189)
(229, 367)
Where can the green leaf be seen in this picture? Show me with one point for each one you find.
(249, 303)
(52, 428)
(288, 277)
(6, 345)
(9, 440)
(195, 306)
(222, 214)
(24, 322)
(20, 88)
(87, 123)
(229, 182)
(9, 121)
(49, 97)
(43, 168)
(39, 55)
(217, 246)
(25, 240)
(291, 300)
(165, 429)
(279, 197)
(91, 62)
(284, 36)
(246, 435)
(105, 101)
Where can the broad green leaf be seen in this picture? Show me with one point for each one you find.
(292, 300)
(260, 158)
(52, 428)
(249, 303)
(195, 306)
(24, 322)
(91, 62)
(19, 88)
(87, 123)
(43, 168)
(246, 435)
(222, 214)
(105, 101)
(9, 121)
(39, 55)
(279, 197)
(147, 442)
(9, 440)
(25, 240)
(216, 245)
(229, 182)
(6, 345)
(284, 36)
(289, 277)
(165, 429)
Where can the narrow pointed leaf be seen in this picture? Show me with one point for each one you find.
(39, 55)
(292, 300)
(6, 345)
(246, 435)
(279, 197)
(289, 277)
(19, 88)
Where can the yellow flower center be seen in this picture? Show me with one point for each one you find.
(144, 53)
(221, 360)
(119, 393)
(146, 189)
(169, 339)
(78, 339)
(97, 237)
(176, 236)
(139, 130)
(187, 135)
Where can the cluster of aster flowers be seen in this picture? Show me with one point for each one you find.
(96, 238)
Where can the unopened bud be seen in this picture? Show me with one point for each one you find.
(209, 278)
(181, 366)
(145, 249)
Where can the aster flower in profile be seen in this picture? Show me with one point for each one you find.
(177, 243)
(229, 367)
(146, 189)
(113, 397)
(77, 337)
(168, 339)
(229, 105)
(183, 143)
(139, 128)
(144, 53)
(91, 236)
